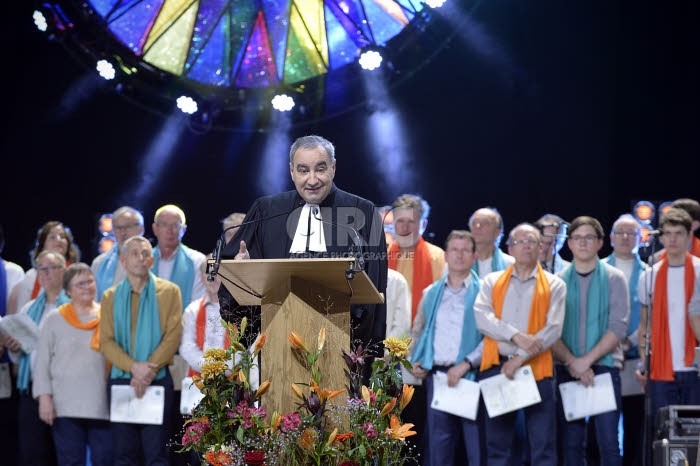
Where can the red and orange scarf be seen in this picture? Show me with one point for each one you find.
(422, 271)
(542, 364)
(68, 312)
(661, 361)
(200, 332)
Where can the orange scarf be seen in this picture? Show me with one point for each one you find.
(200, 329)
(661, 362)
(542, 364)
(422, 271)
(68, 312)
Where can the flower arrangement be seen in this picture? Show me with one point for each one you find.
(230, 425)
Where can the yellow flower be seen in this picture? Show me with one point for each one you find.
(366, 394)
(215, 354)
(397, 346)
(399, 432)
(331, 437)
(406, 395)
(297, 391)
(321, 338)
(211, 369)
(298, 341)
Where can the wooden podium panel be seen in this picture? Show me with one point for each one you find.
(261, 276)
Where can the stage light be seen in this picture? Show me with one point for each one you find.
(370, 60)
(663, 208)
(435, 3)
(106, 69)
(106, 244)
(105, 224)
(187, 104)
(644, 212)
(282, 102)
(40, 21)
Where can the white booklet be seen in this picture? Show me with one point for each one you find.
(125, 407)
(22, 328)
(190, 396)
(461, 400)
(503, 395)
(580, 401)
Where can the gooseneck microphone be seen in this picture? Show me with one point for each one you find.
(215, 263)
(358, 255)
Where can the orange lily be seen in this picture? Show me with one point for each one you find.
(262, 389)
(297, 391)
(259, 343)
(406, 395)
(308, 438)
(399, 432)
(324, 394)
(388, 407)
(298, 341)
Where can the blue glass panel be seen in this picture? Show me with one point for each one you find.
(257, 68)
(384, 27)
(103, 7)
(410, 7)
(133, 26)
(353, 32)
(212, 63)
(208, 34)
(353, 17)
(241, 17)
(341, 49)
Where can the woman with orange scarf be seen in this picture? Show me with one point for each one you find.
(70, 374)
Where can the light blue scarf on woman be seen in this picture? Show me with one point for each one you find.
(183, 272)
(470, 335)
(35, 311)
(635, 305)
(598, 309)
(106, 271)
(148, 333)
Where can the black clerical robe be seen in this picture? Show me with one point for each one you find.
(271, 238)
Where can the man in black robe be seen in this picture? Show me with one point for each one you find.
(287, 225)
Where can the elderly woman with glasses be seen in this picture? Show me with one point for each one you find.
(53, 236)
(70, 374)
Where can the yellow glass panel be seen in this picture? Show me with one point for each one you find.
(169, 42)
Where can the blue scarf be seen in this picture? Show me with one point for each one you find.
(182, 274)
(598, 308)
(148, 333)
(497, 262)
(470, 335)
(35, 311)
(635, 305)
(105, 274)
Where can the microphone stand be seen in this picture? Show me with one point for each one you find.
(648, 433)
(359, 265)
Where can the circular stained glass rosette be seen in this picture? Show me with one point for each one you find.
(253, 43)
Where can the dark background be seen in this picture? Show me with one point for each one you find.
(574, 107)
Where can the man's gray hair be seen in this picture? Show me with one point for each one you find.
(130, 210)
(312, 142)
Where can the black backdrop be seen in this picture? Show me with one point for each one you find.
(576, 107)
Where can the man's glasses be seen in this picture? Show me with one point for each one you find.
(118, 228)
(628, 234)
(48, 268)
(523, 242)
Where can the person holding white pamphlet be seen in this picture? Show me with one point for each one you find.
(595, 324)
(140, 330)
(448, 342)
(520, 311)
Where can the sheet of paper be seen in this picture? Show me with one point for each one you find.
(579, 401)
(408, 378)
(461, 400)
(628, 382)
(125, 407)
(190, 396)
(502, 395)
(22, 328)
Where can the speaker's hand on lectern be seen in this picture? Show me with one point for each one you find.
(242, 253)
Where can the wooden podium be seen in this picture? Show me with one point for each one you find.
(303, 295)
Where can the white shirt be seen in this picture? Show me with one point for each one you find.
(214, 332)
(486, 266)
(315, 238)
(165, 270)
(14, 275)
(398, 305)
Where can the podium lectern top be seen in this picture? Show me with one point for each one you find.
(259, 276)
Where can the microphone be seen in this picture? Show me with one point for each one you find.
(655, 233)
(359, 256)
(215, 262)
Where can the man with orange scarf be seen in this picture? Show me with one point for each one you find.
(672, 288)
(692, 207)
(421, 263)
(520, 311)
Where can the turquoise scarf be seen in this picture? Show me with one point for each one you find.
(183, 272)
(470, 335)
(35, 311)
(598, 305)
(497, 262)
(148, 333)
(105, 274)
